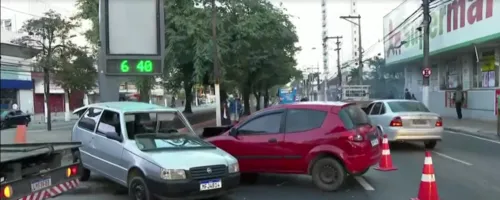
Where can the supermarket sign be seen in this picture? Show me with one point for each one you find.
(454, 24)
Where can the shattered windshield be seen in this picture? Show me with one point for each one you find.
(156, 122)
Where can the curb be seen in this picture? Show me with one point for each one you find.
(486, 135)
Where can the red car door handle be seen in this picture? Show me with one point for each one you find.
(273, 140)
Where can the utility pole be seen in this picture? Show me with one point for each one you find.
(360, 47)
(425, 80)
(339, 72)
(218, 108)
(325, 47)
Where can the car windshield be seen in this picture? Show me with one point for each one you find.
(407, 106)
(155, 122)
(158, 142)
(353, 116)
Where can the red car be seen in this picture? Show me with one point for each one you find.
(327, 140)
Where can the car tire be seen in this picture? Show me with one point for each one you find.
(328, 174)
(430, 144)
(249, 178)
(361, 173)
(86, 172)
(138, 189)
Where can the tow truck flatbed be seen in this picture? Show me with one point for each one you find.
(14, 152)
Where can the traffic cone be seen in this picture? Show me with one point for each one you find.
(385, 163)
(20, 134)
(428, 186)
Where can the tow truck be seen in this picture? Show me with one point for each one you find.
(37, 171)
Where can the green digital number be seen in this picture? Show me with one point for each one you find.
(124, 66)
(145, 66)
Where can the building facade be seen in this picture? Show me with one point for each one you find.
(465, 53)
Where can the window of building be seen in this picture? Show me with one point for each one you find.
(355, 53)
(484, 72)
(451, 74)
(354, 39)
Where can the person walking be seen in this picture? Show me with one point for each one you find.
(458, 98)
(234, 107)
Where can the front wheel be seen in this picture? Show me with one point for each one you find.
(430, 144)
(328, 174)
(137, 189)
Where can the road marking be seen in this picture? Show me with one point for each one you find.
(451, 158)
(364, 183)
(473, 136)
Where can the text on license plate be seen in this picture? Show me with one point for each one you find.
(210, 184)
(41, 184)
(419, 121)
(374, 142)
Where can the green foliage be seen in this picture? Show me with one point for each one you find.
(75, 71)
(89, 10)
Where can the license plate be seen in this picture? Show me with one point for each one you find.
(41, 184)
(210, 184)
(374, 142)
(419, 121)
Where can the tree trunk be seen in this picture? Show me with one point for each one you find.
(46, 96)
(266, 98)
(257, 97)
(144, 89)
(246, 100)
(188, 87)
(67, 112)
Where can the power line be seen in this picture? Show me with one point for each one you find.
(18, 11)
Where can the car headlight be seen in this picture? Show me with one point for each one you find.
(173, 174)
(233, 168)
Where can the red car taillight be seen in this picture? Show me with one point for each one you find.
(396, 121)
(439, 122)
(356, 137)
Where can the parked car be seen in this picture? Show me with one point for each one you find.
(327, 140)
(406, 120)
(151, 150)
(10, 118)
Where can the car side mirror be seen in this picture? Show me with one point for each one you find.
(113, 136)
(233, 132)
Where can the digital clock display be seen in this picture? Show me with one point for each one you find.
(133, 67)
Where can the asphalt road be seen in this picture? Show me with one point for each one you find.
(466, 167)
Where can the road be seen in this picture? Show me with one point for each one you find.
(466, 167)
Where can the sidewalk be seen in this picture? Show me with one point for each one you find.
(469, 126)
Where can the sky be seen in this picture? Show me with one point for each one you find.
(306, 17)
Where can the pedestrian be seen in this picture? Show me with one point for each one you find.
(458, 98)
(413, 96)
(234, 109)
(407, 94)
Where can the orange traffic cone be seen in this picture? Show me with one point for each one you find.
(20, 134)
(428, 186)
(385, 163)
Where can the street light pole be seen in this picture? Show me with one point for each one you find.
(218, 106)
(360, 47)
(325, 47)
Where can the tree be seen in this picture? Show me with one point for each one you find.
(46, 33)
(70, 67)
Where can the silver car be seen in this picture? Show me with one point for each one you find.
(153, 151)
(406, 120)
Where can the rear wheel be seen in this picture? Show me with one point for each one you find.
(430, 144)
(328, 174)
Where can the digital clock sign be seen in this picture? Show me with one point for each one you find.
(133, 67)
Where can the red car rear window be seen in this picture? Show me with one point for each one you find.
(353, 116)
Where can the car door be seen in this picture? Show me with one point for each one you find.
(302, 127)
(109, 151)
(84, 132)
(375, 113)
(258, 143)
(20, 118)
(11, 119)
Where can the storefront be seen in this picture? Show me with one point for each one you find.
(16, 88)
(465, 52)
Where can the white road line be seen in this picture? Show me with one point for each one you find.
(473, 136)
(364, 183)
(451, 158)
